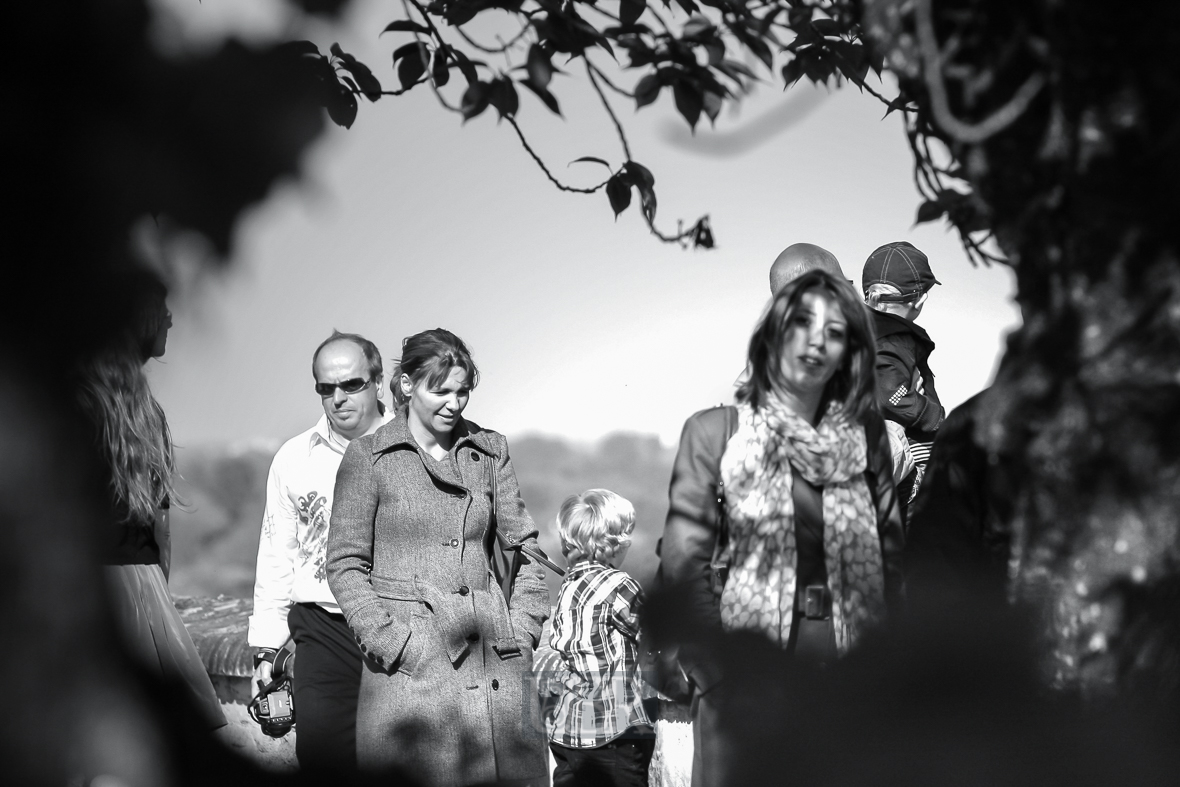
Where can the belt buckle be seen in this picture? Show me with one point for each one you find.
(813, 602)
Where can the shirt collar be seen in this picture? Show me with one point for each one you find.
(321, 434)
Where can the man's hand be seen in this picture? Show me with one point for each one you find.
(262, 674)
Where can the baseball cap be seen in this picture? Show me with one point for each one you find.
(901, 265)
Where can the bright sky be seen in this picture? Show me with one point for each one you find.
(580, 325)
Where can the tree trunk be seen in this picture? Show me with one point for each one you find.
(1081, 187)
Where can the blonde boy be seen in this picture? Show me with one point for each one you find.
(601, 734)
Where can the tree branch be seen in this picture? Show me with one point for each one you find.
(524, 142)
(437, 35)
(491, 50)
(969, 133)
(591, 70)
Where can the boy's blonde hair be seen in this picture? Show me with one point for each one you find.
(595, 525)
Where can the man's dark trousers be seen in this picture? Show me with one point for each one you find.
(327, 681)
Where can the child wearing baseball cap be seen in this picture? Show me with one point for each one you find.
(896, 282)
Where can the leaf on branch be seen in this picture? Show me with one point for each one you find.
(631, 10)
(826, 27)
(351, 85)
(765, 22)
(475, 99)
(901, 102)
(412, 49)
(689, 6)
(591, 158)
(439, 68)
(697, 28)
(712, 105)
(504, 97)
(733, 65)
(410, 70)
(817, 65)
(756, 45)
(638, 175)
(298, 48)
(702, 234)
(543, 94)
(618, 192)
(792, 71)
(930, 210)
(369, 85)
(465, 64)
(459, 12)
(405, 26)
(689, 101)
(715, 49)
(539, 67)
(647, 90)
(647, 203)
(341, 105)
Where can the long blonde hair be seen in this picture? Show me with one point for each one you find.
(128, 422)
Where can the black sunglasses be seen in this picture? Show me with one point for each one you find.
(354, 385)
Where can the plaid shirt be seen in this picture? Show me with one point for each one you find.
(596, 634)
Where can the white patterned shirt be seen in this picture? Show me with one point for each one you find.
(292, 547)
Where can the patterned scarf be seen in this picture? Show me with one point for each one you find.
(759, 593)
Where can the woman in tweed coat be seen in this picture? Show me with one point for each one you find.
(444, 694)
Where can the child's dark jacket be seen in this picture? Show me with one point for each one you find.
(903, 354)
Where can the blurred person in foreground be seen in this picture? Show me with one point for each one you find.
(602, 736)
(132, 433)
(444, 696)
(292, 599)
(896, 281)
(783, 517)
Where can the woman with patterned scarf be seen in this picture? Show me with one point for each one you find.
(784, 503)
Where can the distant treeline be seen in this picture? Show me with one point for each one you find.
(215, 532)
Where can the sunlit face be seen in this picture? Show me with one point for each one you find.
(814, 345)
(438, 407)
(351, 415)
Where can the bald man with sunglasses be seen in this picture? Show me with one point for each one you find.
(292, 600)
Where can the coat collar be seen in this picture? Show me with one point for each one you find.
(396, 433)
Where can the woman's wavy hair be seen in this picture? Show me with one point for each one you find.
(854, 383)
(595, 525)
(128, 422)
(430, 356)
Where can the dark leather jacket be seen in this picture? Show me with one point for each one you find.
(690, 531)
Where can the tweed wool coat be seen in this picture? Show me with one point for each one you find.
(445, 691)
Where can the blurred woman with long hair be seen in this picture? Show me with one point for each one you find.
(134, 440)
(783, 518)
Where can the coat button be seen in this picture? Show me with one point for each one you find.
(495, 685)
(364, 649)
(473, 637)
(455, 542)
(474, 456)
(464, 590)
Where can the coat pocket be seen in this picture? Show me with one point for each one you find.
(403, 602)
